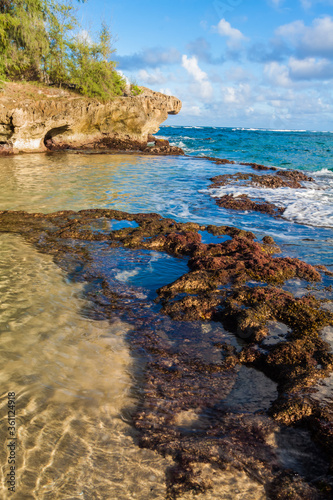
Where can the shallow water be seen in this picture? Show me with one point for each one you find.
(73, 378)
(76, 378)
(76, 382)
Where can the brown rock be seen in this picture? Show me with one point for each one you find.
(66, 120)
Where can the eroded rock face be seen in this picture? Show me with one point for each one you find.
(60, 119)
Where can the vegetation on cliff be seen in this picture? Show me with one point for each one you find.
(41, 40)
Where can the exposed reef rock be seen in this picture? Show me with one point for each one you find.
(280, 179)
(41, 119)
(243, 202)
(224, 161)
(191, 402)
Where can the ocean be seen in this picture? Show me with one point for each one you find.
(79, 378)
(286, 149)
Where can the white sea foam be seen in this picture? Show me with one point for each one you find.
(322, 172)
(310, 206)
(125, 275)
(269, 130)
(179, 144)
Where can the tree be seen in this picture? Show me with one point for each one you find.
(61, 22)
(23, 37)
(39, 40)
(91, 69)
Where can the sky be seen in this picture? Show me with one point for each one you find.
(233, 63)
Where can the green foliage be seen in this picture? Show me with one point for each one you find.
(90, 68)
(60, 24)
(40, 40)
(23, 38)
(135, 89)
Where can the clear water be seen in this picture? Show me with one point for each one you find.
(76, 378)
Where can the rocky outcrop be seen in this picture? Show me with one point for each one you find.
(43, 118)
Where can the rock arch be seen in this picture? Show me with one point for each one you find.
(49, 136)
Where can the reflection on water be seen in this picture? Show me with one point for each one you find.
(146, 270)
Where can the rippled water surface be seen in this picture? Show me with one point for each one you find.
(76, 378)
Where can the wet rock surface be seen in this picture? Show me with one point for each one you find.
(243, 202)
(5, 149)
(118, 145)
(280, 179)
(193, 404)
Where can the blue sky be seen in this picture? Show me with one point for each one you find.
(243, 63)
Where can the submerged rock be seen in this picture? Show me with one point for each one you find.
(282, 178)
(192, 402)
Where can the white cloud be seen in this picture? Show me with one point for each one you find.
(291, 31)
(127, 80)
(315, 40)
(261, 105)
(152, 78)
(238, 74)
(307, 4)
(149, 58)
(192, 67)
(166, 91)
(239, 95)
(234, 36)
(200, 77)
(84, 37)
(298, 70)
(277, 74)
(310, 69)
(229, 95)
(191, 109)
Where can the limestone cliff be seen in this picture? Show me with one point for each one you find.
(32, 119)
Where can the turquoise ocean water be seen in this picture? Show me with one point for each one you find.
(305, 230)
(300, 149)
